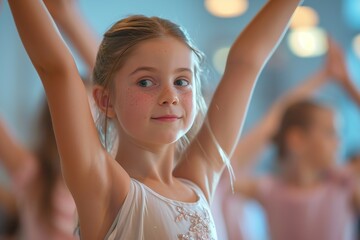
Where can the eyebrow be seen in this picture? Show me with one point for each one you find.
(151, 69)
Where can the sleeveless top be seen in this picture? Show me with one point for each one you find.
(322, 213)
(146, 215)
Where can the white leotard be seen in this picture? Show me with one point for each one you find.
(146, 215)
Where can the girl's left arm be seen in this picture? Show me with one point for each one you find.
(225, 117)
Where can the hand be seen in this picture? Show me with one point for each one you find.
(336, 64)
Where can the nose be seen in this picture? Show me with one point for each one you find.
(168, 96)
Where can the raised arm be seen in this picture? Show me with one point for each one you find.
(82, 154)
(69, 19)
(227, 110)
(338, 68)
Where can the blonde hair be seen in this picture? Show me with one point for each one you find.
(118, 43)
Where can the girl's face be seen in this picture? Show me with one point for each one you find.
(322, 139)
(155, 92)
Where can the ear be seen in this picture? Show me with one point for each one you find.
(103, 101)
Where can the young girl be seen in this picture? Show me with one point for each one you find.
(46, 207)
(147, 82)
(308, 197)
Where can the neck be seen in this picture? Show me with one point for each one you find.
(146, 162)
(298, 172)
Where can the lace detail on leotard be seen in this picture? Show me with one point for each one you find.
(199, 228)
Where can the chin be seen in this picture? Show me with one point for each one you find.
(170, 139)
(163, 139)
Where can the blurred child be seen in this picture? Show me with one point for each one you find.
(45, 206)
(227, 206)
(308, 197)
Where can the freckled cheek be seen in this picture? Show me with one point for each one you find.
(189, 103)
(135, 104)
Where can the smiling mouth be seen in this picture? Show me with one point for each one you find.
(167, 118)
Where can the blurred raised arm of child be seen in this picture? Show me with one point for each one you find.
(338, 68)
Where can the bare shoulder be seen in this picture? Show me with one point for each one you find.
(102, 197)
(194, 167)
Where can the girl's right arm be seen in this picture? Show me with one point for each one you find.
(70, 20)
(88, 169)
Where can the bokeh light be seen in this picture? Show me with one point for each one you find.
(304, 17)
(226, 8)
(356, 45)
(219, 59)
(308, 42)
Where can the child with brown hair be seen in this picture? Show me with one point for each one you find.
(147, 82)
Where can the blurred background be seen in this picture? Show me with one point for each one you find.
(213, 25)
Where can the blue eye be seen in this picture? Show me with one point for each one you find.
(145, 83)
(181, 82)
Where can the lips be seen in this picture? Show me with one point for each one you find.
(167, 118)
